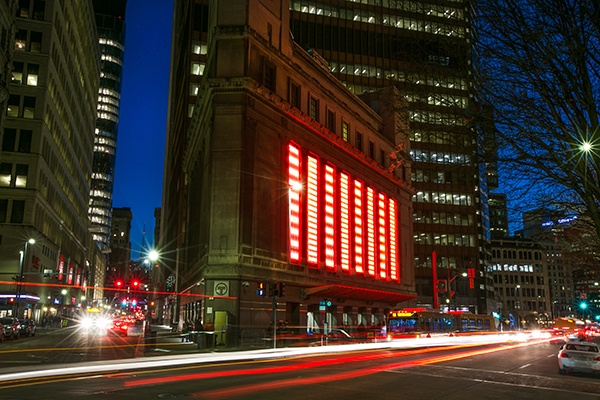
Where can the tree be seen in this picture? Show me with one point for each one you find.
(538, 68)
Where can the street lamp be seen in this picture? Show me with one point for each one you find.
(455, 292)
(154, 256)
(586, 147)
(21, 277)
(518, 306)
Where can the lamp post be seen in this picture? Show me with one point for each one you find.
(154, 256)
(518, 306)
(21, 277)
(450, 280)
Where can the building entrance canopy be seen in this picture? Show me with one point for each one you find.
(358, 293)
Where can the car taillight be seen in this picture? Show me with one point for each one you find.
(597, 359)
(565, 355)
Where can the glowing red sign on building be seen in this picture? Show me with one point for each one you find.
(382, 224)
(312, 211)
(359, 224)
(394, 256)
(345, 222)
(330, 234)
(349, 225)
(295, 186)
(371, 232)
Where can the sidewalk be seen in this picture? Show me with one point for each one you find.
(167, 341)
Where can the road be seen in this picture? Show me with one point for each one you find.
(499, 371)
(69, 345)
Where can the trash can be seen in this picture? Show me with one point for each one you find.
(209, 340)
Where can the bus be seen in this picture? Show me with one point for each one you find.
(414, 322)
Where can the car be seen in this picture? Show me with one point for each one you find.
(27, 327)
(136, 328)
(1, 333)
(11, 327)
(578, 356)
(120, 326)
(554, 336)
(93, 324)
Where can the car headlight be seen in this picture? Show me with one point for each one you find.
(103, 323)
(87, 323)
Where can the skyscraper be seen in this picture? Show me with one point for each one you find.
(7, 27)
(423, 48)
(110, 20)
(120, 241)
(46, 155)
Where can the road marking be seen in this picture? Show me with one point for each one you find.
(524, 366)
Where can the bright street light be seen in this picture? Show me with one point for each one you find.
(154, 256)
(586, 147)
(21, 277)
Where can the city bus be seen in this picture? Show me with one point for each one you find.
(415, 322)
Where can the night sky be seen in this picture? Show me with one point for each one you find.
(142, 126)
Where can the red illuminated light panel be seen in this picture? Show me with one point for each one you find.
(330, 217)
(345, 222)
(312, 202)
(393, 211)
(383, 267)
(370, 232)
(358, 228)
(295, 187)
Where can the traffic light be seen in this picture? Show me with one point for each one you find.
(281, 289)
(151, 304)
(260, 290)
(135, 284)
(273, 291)
(583, 305)
(441, 286)
(119, 283)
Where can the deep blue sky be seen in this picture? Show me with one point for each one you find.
(142, 127)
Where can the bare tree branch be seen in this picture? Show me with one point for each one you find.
(539, 68)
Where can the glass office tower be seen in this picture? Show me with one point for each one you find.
(110, 19)
(424, 49)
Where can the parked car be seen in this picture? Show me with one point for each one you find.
(27, 327)
(136, 328)
(577, 356)
(1, 333)
(11, 327)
